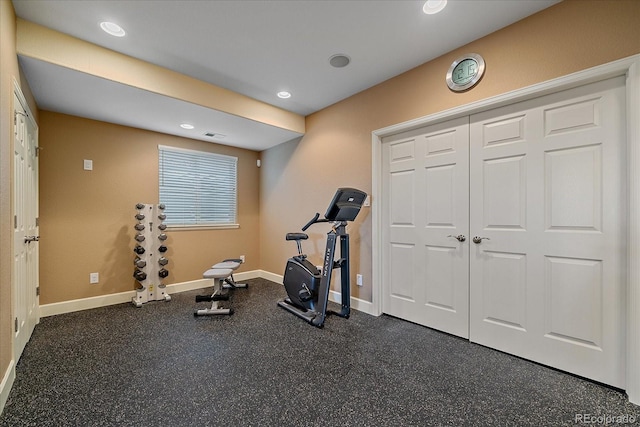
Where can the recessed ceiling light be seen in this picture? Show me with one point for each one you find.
(432, 7)
(112, 28)
(339, 60)
(284, 94)
(186, 126)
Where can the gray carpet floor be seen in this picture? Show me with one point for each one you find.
(158, 365)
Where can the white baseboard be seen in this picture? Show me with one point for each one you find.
(277, 278)
(7, 383)
(85, 303)
(123, 297)
(356, 303)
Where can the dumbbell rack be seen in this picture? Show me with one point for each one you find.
(149, 263)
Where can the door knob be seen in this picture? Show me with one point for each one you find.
(459, 237)
(479, 239)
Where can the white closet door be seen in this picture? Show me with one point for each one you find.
(547, 189)
(426, 188)
(25, 228)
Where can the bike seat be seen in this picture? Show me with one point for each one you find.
(297, 236)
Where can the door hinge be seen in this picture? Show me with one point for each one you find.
(16, 324)
(15, 221)
(37, 222)
(38, 291)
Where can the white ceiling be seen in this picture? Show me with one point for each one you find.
(256, 48)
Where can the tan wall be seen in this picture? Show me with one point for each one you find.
(86, 217)
(299, 178)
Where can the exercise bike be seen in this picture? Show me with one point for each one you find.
(307, 287)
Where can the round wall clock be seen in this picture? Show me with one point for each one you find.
(465, 72)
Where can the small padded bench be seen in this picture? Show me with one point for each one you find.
(219, 275)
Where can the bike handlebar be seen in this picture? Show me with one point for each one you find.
(310, 223)
(313, 221)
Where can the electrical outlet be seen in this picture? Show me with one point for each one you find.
(242, 258)
(94, 278)
(359, 279)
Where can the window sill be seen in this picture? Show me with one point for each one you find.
(202, 227)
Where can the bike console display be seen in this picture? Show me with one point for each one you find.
(345, 205)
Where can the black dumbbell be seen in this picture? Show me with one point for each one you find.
(162, 227)
(139, 206)
(139, 262)
(139, 237)
(162, 217)
(139, 226)
(163, 272)
(163, 261)
(139, 275)
(162, 248)
(138, 249)
(139, 217)
(162, 237)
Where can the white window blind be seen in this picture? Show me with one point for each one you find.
(198, 188)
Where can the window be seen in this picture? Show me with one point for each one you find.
(198, 188)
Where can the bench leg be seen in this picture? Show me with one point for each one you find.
(230, 283)
(215, 297)
(214, 310)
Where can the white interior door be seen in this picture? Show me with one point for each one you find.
(26, 234)
(548, 190)
(426, 205)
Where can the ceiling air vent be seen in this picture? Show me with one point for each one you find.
(214, 135)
